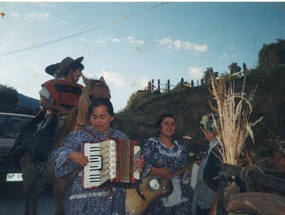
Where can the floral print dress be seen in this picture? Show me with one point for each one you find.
(95, 201)
(158, 155)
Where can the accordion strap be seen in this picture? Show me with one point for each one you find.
(93, 135)
(89, 132)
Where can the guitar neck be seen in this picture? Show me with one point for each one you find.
(179, 171)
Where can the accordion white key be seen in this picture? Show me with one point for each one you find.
(111, 161)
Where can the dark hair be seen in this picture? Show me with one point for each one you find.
(95, 102)
(161, 118)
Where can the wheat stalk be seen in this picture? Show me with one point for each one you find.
(234, 111)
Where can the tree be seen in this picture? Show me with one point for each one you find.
(207, 76)
(8, 97)
(234, 69)
(272, 54)
(225, 75)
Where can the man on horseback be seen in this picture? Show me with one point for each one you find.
(37, 174)
(57, 97)
(63, 72)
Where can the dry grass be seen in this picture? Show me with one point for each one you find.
(233, 128)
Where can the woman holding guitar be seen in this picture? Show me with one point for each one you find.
(166, 159)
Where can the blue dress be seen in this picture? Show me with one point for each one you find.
(88, 201)
(157, 155)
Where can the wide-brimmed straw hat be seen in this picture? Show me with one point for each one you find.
(52, 68)
(66, 63)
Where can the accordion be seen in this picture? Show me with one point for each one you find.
(111, 161)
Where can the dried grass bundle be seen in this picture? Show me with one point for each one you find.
(234, 110)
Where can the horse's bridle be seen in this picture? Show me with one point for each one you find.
(86, 96)
(85, 93)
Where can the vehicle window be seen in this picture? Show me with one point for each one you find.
(10, 126)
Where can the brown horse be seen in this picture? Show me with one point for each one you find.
(76, 119)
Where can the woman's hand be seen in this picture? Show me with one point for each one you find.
(188, 173)
(78, 158)
(140, 162)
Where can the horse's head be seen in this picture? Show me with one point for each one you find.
(93, 89)
(96, 88)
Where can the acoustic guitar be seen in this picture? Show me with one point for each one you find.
(138, 199)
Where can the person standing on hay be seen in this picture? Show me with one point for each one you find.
(233, 128)
(204, 196)
(57, 97)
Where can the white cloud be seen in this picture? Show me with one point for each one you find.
(195, 72)
(195, 47)
(31, 15)
(38, 15)
(133, 41)
(140, 83)
(166, 42)
(183, 45)
(105, 39)
(178, 44)
(115, 40)
(114, 78)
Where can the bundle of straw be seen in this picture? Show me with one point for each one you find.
(233, 128)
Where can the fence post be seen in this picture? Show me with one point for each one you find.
(158, 85)
(168, 85)
(148, 86)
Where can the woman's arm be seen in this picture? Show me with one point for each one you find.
(212, 170)
(62, 156)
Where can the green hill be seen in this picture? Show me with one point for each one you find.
(189, 104)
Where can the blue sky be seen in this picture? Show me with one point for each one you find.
(130, 43)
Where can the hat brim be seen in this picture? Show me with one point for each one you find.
(79, 60)
(52, 68)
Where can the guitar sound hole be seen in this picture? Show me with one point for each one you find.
(154, 184)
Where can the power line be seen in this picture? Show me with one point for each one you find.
(86, 31)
